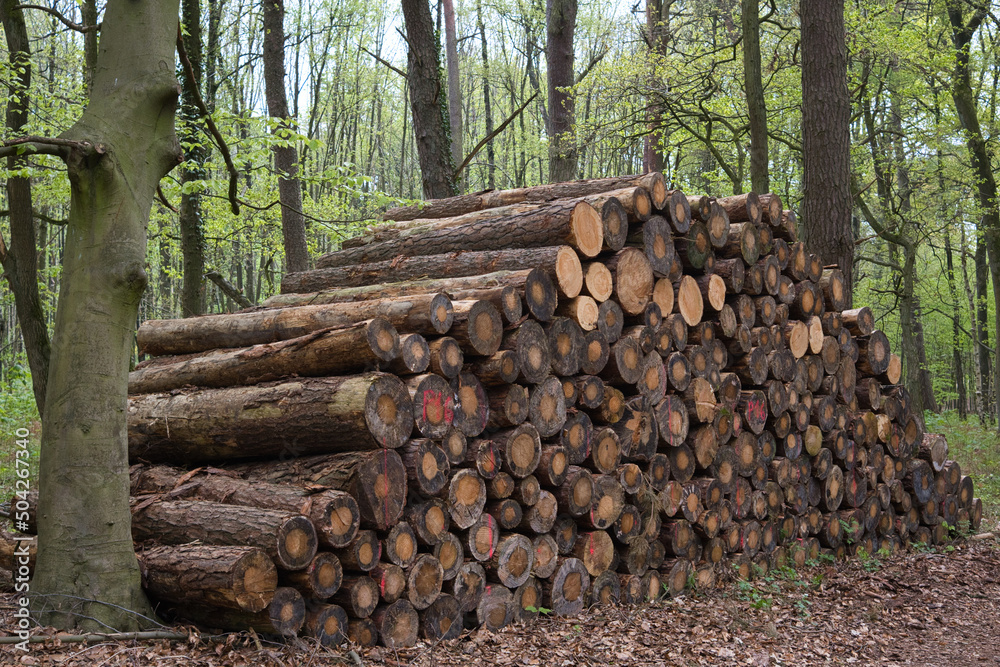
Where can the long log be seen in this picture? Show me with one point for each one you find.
(306, 416)
(554, 260)
(441, 208)
(377, 480)
(333, 513)
(574, 223)
(289, 539)
(233, 577)
(424, 314)
(325, 352)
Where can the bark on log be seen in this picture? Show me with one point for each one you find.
(442, 208)
(334, 513)
(306, 416)
(554, 260)
(324, 352)
(232, 577)
(289, 540)
(574, 223)
(377, 480)
(423, 314)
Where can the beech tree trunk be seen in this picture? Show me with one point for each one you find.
(826, 139)
(286, 159)
(87, 574)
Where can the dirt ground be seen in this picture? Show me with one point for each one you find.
(916, 608)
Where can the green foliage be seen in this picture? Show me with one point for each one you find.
(17, 411)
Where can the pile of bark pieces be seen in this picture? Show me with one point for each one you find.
(546, 398)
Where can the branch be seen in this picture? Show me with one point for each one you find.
(40, 216)
(385, 62)
(62, 19)
(229, 289)
(213, 130)
(591, 65)
(47, 146)
(492, 134)
(882, 262)
(163, 198)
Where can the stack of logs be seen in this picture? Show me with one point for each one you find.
(542, 398)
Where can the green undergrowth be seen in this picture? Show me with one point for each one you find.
(17, 411)
(977, 450)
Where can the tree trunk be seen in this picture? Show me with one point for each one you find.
(826, 140)
(286, 160)
(427, 102)
(487, 102)
(981, 156)
(20, 261)
(560, 22)
(87, 574)
(189, 214)
(454, 83)
(956, 331)
(756, 108)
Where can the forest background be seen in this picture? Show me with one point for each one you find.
(661, 83)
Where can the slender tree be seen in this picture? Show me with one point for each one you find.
(20, 261)
(756, 108)
(286, 160)
(981, 156)
(560, 22)
(189, 214)
(826, 138)
(454, 81)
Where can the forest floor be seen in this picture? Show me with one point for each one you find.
(921, 607)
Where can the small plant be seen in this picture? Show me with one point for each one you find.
(538, 610)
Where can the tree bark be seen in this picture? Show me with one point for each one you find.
(189, 213)
(427, 314)
(87, 574)
(20, 261)
(956, 332)
(427, 102)
(826, 140)
(323, 352)
(980, 155)
(238, 577)
(754, 86)
(454, 83)
(307, 416)
(286, 159)
(487, 102)
(560, 22)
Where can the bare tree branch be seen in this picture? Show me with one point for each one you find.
(492, 134)
(62, 19)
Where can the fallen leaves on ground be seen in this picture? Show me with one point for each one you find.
(936, 608)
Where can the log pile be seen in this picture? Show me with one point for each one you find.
(549, 398)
